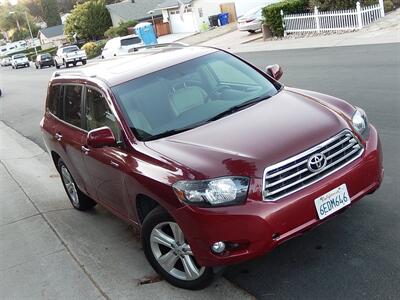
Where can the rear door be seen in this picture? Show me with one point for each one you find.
(68, 133)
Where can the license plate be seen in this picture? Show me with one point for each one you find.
(332, 201)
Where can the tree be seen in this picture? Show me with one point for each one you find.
(13, 20)
(34, 7)
(50, 12)
(88, 20)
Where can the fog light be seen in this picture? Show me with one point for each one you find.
(218, 247)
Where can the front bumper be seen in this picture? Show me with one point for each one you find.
(257, 227)
(255, 25)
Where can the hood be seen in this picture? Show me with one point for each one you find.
(248, 141)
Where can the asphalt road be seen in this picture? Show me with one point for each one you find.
(354, 256)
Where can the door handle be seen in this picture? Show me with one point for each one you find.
(58, 136)
(85, 149)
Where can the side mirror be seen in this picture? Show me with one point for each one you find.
(100, 137)
(275, 71)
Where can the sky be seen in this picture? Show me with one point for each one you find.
(12, 2)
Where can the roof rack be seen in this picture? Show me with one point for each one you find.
(157, 46)
(71, 72)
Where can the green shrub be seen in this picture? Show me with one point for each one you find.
(93, 49)
(272, 13)
(388, 5)
(121, 29)
(325, 5)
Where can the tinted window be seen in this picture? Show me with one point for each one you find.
(130, 41)
(98, 113)
(18, 56)
(72, 105)
(45, 55)
(189, 94)
(54, 101)
(70, 49)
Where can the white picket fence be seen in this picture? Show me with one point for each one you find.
(350, 19)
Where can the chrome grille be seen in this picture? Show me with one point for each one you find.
(293, 173)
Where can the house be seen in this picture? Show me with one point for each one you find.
(194, 14)
(52, 36)
(138, 10)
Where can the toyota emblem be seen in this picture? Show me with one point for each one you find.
(316, 162)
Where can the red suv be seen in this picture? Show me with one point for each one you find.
(213, 159)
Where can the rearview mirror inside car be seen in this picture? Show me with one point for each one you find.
(275, 71)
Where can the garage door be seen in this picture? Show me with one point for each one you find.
(179, 26)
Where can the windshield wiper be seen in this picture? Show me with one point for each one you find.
(238, 107)
(172, 132)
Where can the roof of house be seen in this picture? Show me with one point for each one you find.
(134, 9)
(171, 4)
(53, 31)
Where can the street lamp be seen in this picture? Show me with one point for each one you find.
(29, 26)
(151, 13)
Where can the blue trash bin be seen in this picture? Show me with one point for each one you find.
(146, 33)
(223, 18)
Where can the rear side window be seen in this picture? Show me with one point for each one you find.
(72, 105)
(55, 100)
(130, 41)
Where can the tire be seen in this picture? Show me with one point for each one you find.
(251, 31)
(78, 199)
(83, 62)
(66, 65)
(36, 67)
(57, 66)
(158, 220)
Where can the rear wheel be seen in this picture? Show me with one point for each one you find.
(78, 199)
(83, 62)
(170, 254)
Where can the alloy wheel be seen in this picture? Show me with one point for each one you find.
(173, 253)
(70, 186)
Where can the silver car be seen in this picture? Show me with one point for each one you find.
(251, 21)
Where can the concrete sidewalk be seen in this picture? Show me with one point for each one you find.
(50, 251)
(385, 30)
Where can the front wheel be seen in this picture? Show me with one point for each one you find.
(78, 199)
(57, 65)
(169, 253)
(83, 62)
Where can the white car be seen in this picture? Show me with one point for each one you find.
(19, 60)
(69, 55)
(251, 21)
(6, 61)
(120, 45)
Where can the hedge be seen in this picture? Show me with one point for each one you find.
(32, 55)
(272, 13)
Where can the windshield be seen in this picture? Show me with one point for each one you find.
(190, 94)
(45, 55)
(19, 56)
(130, 41)
(253, 12)
(70, 49)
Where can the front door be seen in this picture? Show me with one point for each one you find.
(105, 167)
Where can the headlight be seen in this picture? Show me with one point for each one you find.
(213, 192)
(360, 123)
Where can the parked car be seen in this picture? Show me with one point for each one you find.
(214, 160)
(44, 60)
(69, 55)
(19, 60)
(251, 21)
(5, 62)
(120, 45)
